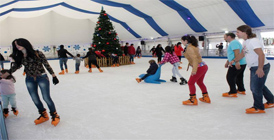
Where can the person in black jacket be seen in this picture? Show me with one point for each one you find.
(151, 70)
(92, 59)
(34, 63)
(63, 58)
(2, 61)
(159, 52)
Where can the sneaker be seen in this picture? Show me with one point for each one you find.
(268, 105)
(241, 92)
(230, 94)
(253, 110)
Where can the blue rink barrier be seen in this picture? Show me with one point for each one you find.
(4, 133)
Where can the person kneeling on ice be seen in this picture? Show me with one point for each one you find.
(151, 70)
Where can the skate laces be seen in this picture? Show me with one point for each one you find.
(54, 116)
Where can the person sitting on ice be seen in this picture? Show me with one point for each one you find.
(151, 70)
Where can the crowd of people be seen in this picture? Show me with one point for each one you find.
(238, 56)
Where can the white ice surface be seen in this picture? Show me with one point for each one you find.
(112, 105)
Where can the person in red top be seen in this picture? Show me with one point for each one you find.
(131, 52)
(178, 50)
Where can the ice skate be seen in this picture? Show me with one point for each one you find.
(191, 101)
(6, 112)
(183, 81)
(55, 118)
(230, 94)
(15, 112)
(138, 80)
(268, 105)
(253, 110)
(205, 98)
(43, 117)
(62, 72)
(173, 79)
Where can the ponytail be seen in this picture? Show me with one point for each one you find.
(191, 39)
(247, 29)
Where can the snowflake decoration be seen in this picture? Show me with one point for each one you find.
(76, 47)
(46, 48)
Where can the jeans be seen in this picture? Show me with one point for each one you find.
(258, 88)
(175, 70)
(10, 98)
(43, 83)
(235, 77)
(131, 58)
(63, 61)
(2, 64)
(77, 65)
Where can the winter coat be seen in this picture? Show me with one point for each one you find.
(159, 51)
(152, 69)
(193, 56)
(91, 55)
(62, 53)
(131, 50)
(178, 50)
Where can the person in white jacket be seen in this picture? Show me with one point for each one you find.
(8, 95)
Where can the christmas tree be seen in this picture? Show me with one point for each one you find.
(105, 38)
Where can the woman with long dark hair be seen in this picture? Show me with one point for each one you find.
(199, 69)
(33, 61)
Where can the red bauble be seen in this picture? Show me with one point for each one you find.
(105, 14)
(103, 50)
(94, 45)
(107, 42)
(109, 32)
(98, 22)
(124, 55)
(99, 29)
(114, 38)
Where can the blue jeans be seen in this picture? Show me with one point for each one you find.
(63, 61)
(258, 88)
(77, 65)
(2, 64)
(131, 58)
(10, 98)
(43, 83)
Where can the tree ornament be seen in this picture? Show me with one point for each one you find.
(99, 29)
(105, 14)
(94, 45)
(103, 50)
(107, 43)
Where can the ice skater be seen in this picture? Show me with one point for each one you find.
(7, 91)
(173, 59)
(259, 69)
(63, 58)
(78, 60)
(92, 59)
(199, 69)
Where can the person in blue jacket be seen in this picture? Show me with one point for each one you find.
(151, 70)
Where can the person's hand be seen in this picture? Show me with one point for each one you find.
(238, 65)
(226, 65)
(5, 75)
(193, 73)
(260, 73)
(55, 80)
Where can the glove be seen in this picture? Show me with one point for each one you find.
(55, 80)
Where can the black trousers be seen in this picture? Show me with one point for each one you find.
(145, 76)
(94, 62)
(235, 77)
(180, 58)
(159, 58)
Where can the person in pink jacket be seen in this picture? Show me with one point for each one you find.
(7, 91)
(172, 58)
(131, 52)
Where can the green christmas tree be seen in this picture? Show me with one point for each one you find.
(105, 38)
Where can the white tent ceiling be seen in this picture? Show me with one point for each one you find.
(68, 21)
